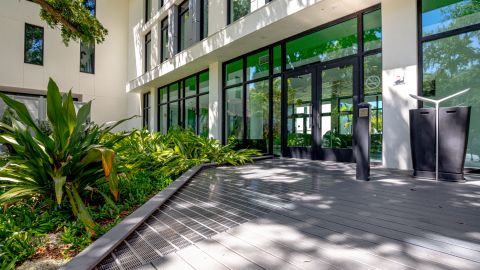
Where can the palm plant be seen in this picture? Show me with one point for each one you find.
(73, 160)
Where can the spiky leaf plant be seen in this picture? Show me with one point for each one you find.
(67, 164)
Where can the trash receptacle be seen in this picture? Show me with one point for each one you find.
(453, 126)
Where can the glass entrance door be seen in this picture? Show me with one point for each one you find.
(337, 98)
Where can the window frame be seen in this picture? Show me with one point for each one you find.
(146, 109)
(25, 44)
(180, 14)
(180, 99)
(148, 41)
(424, 39)
(163, 27)
(359, 55)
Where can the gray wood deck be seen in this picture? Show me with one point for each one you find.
(300, 214)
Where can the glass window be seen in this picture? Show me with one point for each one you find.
(333, 42)
(163, 95)
(148, 51)
(173, 91)
(277, 59)
(191, 86)
(299, 111)
(146, 110)
(203, 115)
(337, 107)
(204, 82)
(446, 71)
(33, 44)
(90, 5)
(160, 3)
(87, 58)
(258, 65)
(238, 9)
(174, 114)
(204, 19)
(148, 10)
(185, 27)
(258, 115)
(234, 114)
(162, 119)
(373, 95)
(234, 72)
(372, 30)
(277, 115)
(440, 16)
(191, 113)
(164, 40)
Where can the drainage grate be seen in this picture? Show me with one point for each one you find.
(197, 211)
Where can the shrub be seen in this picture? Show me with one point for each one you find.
(72, 160)
(177, 151)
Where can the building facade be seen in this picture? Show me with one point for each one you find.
(282, 76)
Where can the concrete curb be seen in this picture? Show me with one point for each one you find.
(99, 249)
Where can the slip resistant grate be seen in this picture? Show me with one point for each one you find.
(194, 213)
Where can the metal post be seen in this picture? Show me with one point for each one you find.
(437, 116)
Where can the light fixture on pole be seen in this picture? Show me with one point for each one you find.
(437, 110)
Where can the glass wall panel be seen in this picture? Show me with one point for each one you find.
(234, 114)
(238, 9)
(204, 19)
(174, 114)
(372, 67)
(234, 72)
(148, 51)
(440, 16)
(277, 115)
(204, 82)
(333, 42)
(191, 86)
(337, 107)
(277, 59)
(164, 41)
(162, 114)
(258, 65)
(87, 58)
(191, 113)
(185, 27)
(146, 110)
(446, 71)
(163, 94)
(372, 30)
(299, 111)
(33, 44)
(203, 115)
(173, 91)
(258, 115)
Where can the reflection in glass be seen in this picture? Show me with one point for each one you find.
(234, 114)
(373, 94)
(174, 115)
(185, 27)
(337, 107)
(440, 16)
(191, 86)
(258, 65)
(330, 43)
(33, 44)
(87, 58)
(299, 111)
(203, 82)
(277, 115)
(446, 71)
(203, 115)
(162, 125)
(238, 9)
(372, 30)
(191, 113)
(164, 40)
(258, 115)
(234, 72)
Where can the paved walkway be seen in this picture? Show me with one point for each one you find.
(300, 214)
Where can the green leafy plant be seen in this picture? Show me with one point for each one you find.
(69, 163)
(177, 151)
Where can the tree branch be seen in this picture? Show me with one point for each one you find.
(57, 15)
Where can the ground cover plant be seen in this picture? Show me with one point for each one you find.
(66, 181)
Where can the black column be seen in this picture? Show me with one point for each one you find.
(362, 139)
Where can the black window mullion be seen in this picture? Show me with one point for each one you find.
(244, 101)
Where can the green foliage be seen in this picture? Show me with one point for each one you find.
(72, 160)
(75, 20)
(174, 153)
